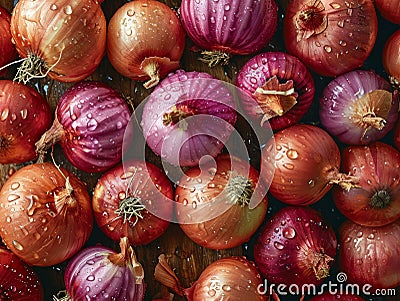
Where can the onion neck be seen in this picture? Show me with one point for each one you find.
(50, 137)
(166, 276)
(311, 20)
(380, 199)
(130, 207)
(239, 190)
(177, 115)
(345, 181)
(64, 197)
(153, 71)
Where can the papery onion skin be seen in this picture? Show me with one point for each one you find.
(233, 226)
(296, 246)
(139, 180)
(233, 27)
(68, 36)
(376, 202)
(370, 254)
(389, 9)
(331, 38)
(24, 116)
(7, 49)
(391, 58)
(145, 41)
(261, 68)
(45, 219)
(359, 107)
(17, 280)
(91, 119)
(327, 296)
(211, 116)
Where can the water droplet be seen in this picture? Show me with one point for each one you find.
(17, 245)
(4, 114)
(292, 154)
(212, 293)
(226, 288)
(212, 19)
(24, 231)
(12, 197)
(67, 10)
(90, 262)
(194, 204)
(92, 124)
(8, 219)
(73, 117)
(24, 113)
(227, 7)
(122, 195)
(311, 182)
(36, 235)
(185, 202)
(371, 236)
(289, 166)
(15, 186)
(340, 23)
(328, 48)
(335, 5)
(278, 245)
(289, 232)
(53, 7)
(359, 234)
(130, 12)
(90, 278)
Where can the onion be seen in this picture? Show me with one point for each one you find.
(330, 37)
(99, 273)
(225, 28)
(24, 116)
(230, 278)
(391, 58)
(306, 164)
(17, 280)
(296, 246)
(370, 255)
(188, 116)
(397, 136)
(131, 200)
(90, 123)
(145, 41)
(281, 87)
(389, 9)
(7, 49)
(46, 214)
(327, 296)
(63, 39)
(359, 107)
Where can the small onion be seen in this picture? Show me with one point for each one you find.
(224, 28)
(7, 49)
(359, 107)
(90, 123)
(391, 57)
(24, 116)
(188, 116)
(46, 214)
(99, 273)
(296, 246)
(389, 9)
(281, 87)
(145, 41)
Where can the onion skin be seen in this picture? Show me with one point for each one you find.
(391, 58)
(370, 254)
(376, 202)
(145, 41)
(295, 246)
(390, 10)
(331, 38)
(143, 181)
(7, 49)
(24, 116)
(332, 297)
(68, 36)
(261, 68)
(359, 107)
(17, 280)
(44, 218)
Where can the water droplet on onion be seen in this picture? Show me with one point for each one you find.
(17, 245)
(289, 232)
(278, 245)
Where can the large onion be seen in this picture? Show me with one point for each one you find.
(7, 49)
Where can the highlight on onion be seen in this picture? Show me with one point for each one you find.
(46, 214)
(24, 116)
(225, 28)
(62, 39)
(7, 48)
(391, 58)
(280, 86)
(145, 41)
(359, 107)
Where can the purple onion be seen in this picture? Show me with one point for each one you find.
(280, 86)
(359, 107)
(188, 116)
(90, 123)
(230, 26)
(99, 273)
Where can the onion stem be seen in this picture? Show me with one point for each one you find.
(176, 115)
(152, 70)
(214, 58)
(240, 190)
(62, 296)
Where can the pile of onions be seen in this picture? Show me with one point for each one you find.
(63, 39)
(133, 200)
(214, 202)
(370, 255)
(90, 123)
(230, 278)
(296, 246)
(389, 9)
(224, 28)
(24, 116)
(303, 165)
(330, 37)
(280, 86)
(391, 57)
(145, 41)
(17, 280)
(188, 116)
(376, 200)
(46, 214)
(7, 49)
(99, 273)
(359, 107)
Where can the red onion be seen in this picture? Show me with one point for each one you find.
(359, 107)
(90, 123)
(7, 49)
(281, 87)
(99, 273)
(389, 9)
(296, 246)
(397, 136)
(391, 58)
(189, 115)
(24, 116)
(229, 27)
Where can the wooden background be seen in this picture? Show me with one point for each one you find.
(188, 258)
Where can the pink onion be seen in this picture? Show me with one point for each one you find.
(280, 86)
(90, 123)
(359, 107)
(229, 27)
